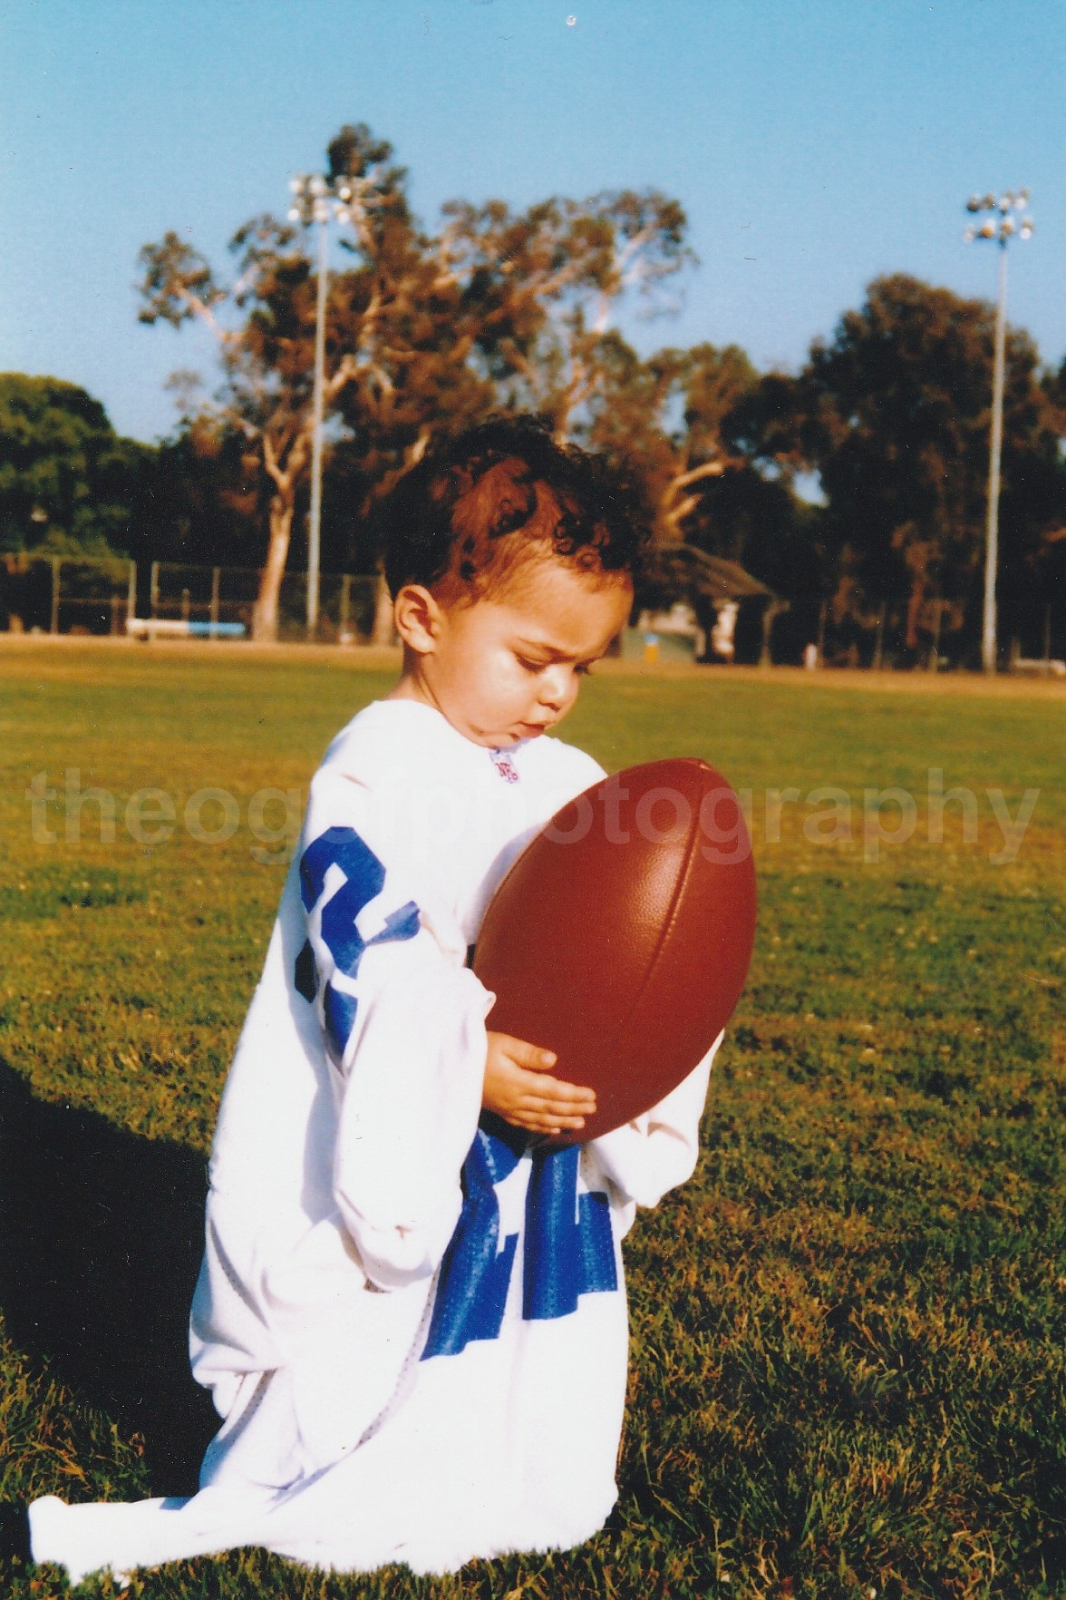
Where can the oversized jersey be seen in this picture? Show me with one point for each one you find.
(414, 1328)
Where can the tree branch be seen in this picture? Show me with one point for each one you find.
(201, 309)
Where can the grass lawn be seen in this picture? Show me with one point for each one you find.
(848, 1365)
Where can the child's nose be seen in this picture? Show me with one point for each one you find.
(555, 686)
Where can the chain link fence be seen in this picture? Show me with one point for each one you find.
(79, 595)
(111, 595)
(224, 598)
(64, 594)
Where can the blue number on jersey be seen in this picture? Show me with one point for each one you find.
(475, 1273)
(569, 1244)
(364, 881)
(568, 1251)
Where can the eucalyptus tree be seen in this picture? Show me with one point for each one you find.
(428, 330)
(667, 417)
(893, 414)
(542, 287)
(396, 345)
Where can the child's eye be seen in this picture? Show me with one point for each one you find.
(581, 668)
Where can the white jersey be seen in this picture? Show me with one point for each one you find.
(414, 1328)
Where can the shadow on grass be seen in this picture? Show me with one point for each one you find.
(101, 1233)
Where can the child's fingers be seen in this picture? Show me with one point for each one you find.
(563, 1093)
(565, 1096)
(546, 1112)
(573, 1112)
(520, 1088)
(530, 1056)
(578, 1103)
(543, 1122)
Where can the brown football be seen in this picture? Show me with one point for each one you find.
(621, 936)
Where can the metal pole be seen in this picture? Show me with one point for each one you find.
(346, 591)
(153, 593)
(934, 653)
(879, 638)
(765, 654)
(131, 592)
(53, 626)
(315, 523)
(215, 571)
(988, 635)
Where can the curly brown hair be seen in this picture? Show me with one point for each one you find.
(475, 510)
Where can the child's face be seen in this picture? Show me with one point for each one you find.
(506, 670)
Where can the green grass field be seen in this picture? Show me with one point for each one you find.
(848, 1363)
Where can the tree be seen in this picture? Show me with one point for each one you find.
(1032, 575)
(69, 484)
(541, 287)
(893, 414)
(664, 417)
(209, 498)
(395, 343)
(425, 332)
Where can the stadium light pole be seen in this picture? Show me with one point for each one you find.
(1000, 226)
(315, 200)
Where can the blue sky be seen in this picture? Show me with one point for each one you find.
(813, 143)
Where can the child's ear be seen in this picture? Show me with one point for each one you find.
(418, 618)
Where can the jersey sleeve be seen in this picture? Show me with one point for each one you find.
(402, 1023)
(655, 1152)
(367, 917)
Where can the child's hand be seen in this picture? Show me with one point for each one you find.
(518, 1088)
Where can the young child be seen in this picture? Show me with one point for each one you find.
(413, 1328)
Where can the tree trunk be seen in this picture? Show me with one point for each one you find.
(383, 631)
(676, 500)
(916, 601)
(265, 615)
(673, 508)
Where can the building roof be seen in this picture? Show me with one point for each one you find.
(684, 572)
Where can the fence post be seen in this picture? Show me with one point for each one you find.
(53, 626)
(215, 571)
(767, 622)
(346, 592)
(774, 608)
(153, 596)
(131, 592)
(879, 638)
(822, 614)
(934, 654)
